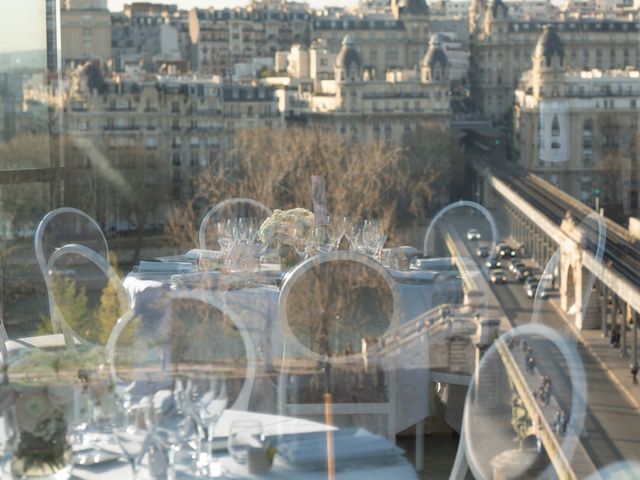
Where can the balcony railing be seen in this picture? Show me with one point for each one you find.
(120, 128)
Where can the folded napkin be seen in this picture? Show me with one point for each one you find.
(145, 266)
(215, 279)
(196, 253)
(405, 250)
(349, 444)
(414, 276)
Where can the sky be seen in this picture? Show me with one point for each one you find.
(116, 5)
(18, 29)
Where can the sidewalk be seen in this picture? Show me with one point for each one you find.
(615, 366)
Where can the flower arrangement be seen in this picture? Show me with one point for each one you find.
(285, 226)
(43, 388)
(285, 230)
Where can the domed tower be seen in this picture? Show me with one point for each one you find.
(348, 66)
(548, 64)
(477, 10)
(435, 64)
(549, 51)
(497, 13)
(406, 8)
(89, 79)
(547, 80)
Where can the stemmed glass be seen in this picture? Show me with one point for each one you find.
(356, 237)
(206, 399)
(130, 429)
(247, 230)
(227, 231)
(373, 236)
(320, 240)
(174, 425)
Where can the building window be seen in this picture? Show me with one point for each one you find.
(555, 133)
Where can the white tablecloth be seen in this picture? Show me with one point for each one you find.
(397, 468)
(257, 307)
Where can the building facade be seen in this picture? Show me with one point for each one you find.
(365, 109)
(502, 47)
(386, 41)
(85, 29)
(149, 34)
(224, 37)
(168, 127)
(579, 128)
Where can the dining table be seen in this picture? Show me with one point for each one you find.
(254, 299)
(384, 461)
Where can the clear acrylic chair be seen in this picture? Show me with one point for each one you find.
(85, 294)
(333, 309)
(228, 209)
(186, 332)
(61, 227)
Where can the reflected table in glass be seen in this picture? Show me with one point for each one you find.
(394, 465)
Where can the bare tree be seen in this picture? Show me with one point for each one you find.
(145, 191)
(432, 164)
(363, 179)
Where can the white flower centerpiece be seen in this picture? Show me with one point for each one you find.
(287, 230)
(44, 388)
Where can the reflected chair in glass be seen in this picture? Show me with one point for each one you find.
(85, 293)
(334, 308)
(232, 208)
(426, 248)
(184, 333)
(61, 227)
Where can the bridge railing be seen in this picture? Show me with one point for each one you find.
(548, 438)
(577, 204)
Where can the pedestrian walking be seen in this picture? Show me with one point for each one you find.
(634, 374)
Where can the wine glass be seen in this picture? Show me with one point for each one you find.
(356, 237)
(247, 230)
(174, 425)
(129, 428)
(226, 230)
(373, 236)
(207, 398)
(320, 239)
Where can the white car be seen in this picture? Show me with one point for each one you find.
(473, 234)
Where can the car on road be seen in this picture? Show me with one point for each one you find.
(546, 286)
(498, 276)
(473, 234)
(482, 251)
(513, 266)
(530, 286)
(523, 273)
(493, 263)
(506, 252)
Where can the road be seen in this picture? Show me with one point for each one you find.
(612, 425)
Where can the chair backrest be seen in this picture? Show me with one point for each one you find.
(462, 204)
(183, 333)
(334, 310)
(229, 209)
(64, 226)
(86, 295)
